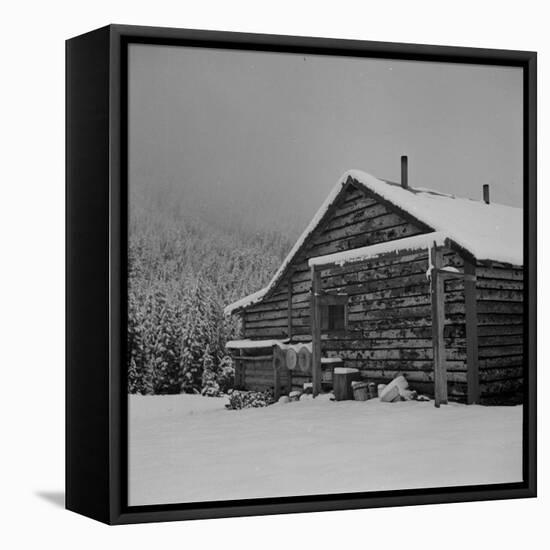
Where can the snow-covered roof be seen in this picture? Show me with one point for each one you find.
(492, 232)
(253, 298)
(418, 242)
(489, 232)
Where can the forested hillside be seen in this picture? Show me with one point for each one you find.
(183, 269)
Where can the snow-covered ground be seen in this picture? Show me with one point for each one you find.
(186, 448)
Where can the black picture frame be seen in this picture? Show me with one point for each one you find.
(96, 250)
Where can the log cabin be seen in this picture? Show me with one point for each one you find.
(391, 279)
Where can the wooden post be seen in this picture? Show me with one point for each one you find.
(289, 307)
(315, 331)
(289, 321)
(276, 376)
(486, 193)
(470, 305)
(438, 325)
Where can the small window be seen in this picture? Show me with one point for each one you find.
(333, 317)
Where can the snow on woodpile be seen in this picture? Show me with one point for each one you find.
(254, 344)
(418, 242)
(299, 345)
(491, 232)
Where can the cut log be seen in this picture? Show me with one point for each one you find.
(394, 389)
(408, 395)
(304, 360)
(390, 394)
(291, 358)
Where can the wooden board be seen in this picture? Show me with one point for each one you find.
(471, 303)
(500, 329)
(438, 323)
(316, 331)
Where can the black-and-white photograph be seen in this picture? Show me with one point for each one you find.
(325, 274)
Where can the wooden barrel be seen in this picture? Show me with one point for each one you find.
(291, 358)
(279, 358)
(304, 360)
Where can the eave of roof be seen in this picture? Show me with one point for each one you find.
(400, 246)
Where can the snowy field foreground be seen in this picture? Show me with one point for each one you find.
(187, 448)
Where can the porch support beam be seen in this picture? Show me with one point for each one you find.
(289, 298)
(438, 325)
(472, 356)
(315, 330)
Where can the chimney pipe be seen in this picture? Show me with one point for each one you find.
(486, 193)
(404, 172)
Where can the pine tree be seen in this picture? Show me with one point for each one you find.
(139, 373)
(210, 385)
(167, 372)
(226, 374)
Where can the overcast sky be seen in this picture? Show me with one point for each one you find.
(261, 138)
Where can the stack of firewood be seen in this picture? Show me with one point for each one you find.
(297, 357)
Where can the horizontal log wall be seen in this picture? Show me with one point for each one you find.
(268, 319)
(389, 322)
(499, 292)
